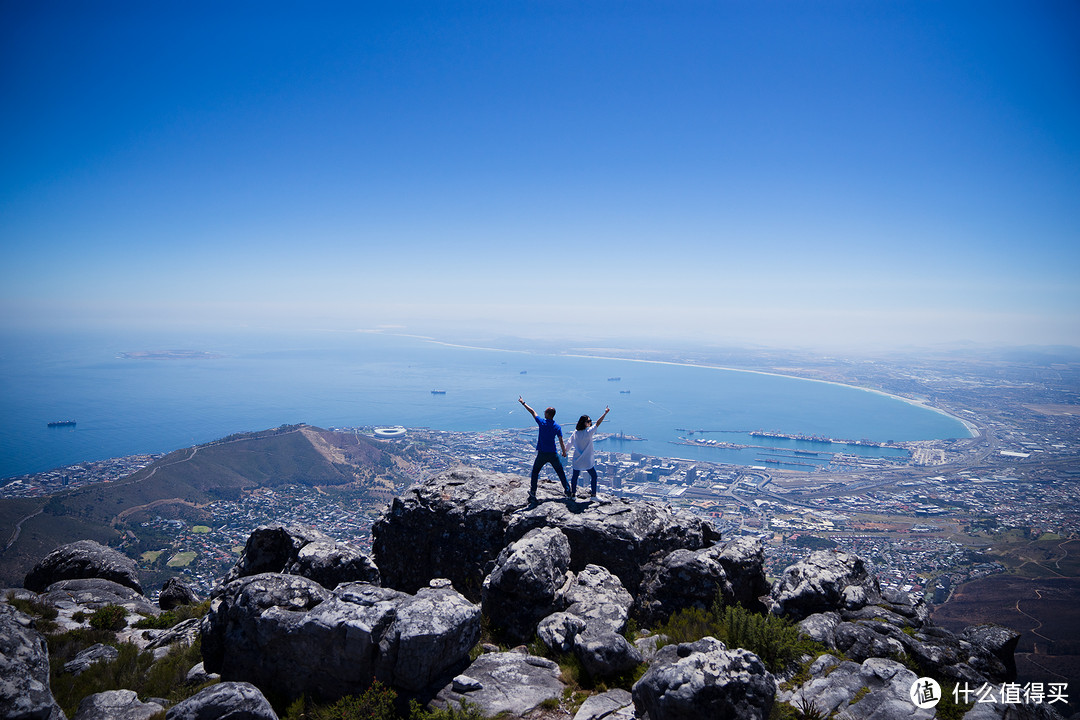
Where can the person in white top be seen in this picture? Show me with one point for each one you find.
(584, 458)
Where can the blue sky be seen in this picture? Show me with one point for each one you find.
(841, 174)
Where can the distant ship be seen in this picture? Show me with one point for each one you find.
(624, 392)
(438, 392)
(523, 372)
(62, 423)
(614, 379)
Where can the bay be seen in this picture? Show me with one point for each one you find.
(198, 388)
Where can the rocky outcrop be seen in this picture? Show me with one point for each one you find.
(94, 654)
(174, 593)
(292, 634)
(116, 705)
(705, 681)
(528, 582)
(734, 572)
(681, 579)
(876, 688)
(617, 704)
(597, 611)
(455, 524)
(304, 551)
(512, 682)
(24, 670)
(825, 580)
(224, 701)
(83, 559)
(93, 593)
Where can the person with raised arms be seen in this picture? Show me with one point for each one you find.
(545, 448)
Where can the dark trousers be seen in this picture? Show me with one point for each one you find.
(574, 477)
(542, 459)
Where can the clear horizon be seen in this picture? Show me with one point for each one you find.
(828, 175)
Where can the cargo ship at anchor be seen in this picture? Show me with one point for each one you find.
(62, 423)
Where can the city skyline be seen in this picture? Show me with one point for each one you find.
(830, 174)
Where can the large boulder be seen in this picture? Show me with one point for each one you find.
(997, 641)
(90, 594)
(527, 583)
(597, 610)
(24, 670)
(224, 701)
(304, 551)
(174, 593)
(875, 688)
(513, 683)
(92, 655)
(291, 634)
(679, 580)
(83, 559)
(455, 524)
(705, 681)
(825, 580)
(116, 705)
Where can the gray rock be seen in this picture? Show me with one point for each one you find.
(882, 687)
(513, 682)
(604, 653)
(705, 681)
(826, 580)
(174, 593)
(590, 626)
(679, 580)
(606, 705)
(24, 669)
(466, 684)
(116, 705)
(304, 551)
(224, 701)
(292, 634)
(557, 631)
(743, 561)
(83, 559)
(91, 655)
(997, 641)
(184, 632)
(597, 597)
(455, 524)
(197, 675)
(527, 583)
(89, 594)
(821, 627)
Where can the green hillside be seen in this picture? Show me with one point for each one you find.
(180, 483)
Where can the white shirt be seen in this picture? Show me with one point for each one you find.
(582, 441)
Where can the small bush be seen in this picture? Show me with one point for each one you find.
(36, 608)
(171, 618)
(465, 711)
(109, 617)
(777, 641)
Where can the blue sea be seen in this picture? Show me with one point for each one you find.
(125, 406)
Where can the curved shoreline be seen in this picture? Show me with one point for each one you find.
(972, 429)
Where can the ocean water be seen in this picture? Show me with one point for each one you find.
(125, 406)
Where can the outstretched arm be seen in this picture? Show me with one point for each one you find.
(526, 406)
(606, 411)
(562, 445)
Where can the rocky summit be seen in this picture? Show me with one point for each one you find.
(463, 561)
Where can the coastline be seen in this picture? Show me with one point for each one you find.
(972, 429)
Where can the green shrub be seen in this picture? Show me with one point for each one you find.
(36, 608)
(465, 711)
(171, 618)
(375, 703)
(109, 617)
(777, 641)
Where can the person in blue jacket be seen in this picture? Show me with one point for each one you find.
(545, 448)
